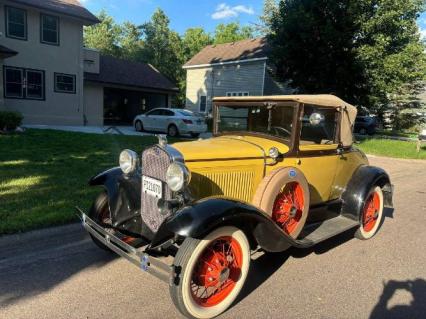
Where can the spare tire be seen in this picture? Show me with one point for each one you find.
(284, 195)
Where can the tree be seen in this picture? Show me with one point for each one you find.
(270, 9)
(194, 40)
(104, 36)
(131, 44)
(366, 51)
(231, 32)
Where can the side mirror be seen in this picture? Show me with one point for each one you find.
(316, 118)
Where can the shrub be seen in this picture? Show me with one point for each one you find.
(10, 120)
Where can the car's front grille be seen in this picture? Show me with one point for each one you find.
(155, 162)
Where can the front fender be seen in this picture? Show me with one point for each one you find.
(202, 217)
(123, 193)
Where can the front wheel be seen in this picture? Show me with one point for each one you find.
(99, 212)
(172, 131)
(213, 272)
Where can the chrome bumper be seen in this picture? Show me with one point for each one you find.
(137, 257)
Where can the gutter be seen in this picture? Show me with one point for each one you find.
(223, 63)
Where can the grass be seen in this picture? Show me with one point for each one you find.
(44, 174)
(392, 148)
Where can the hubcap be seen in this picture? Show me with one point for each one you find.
(216, 271)
(371, 212)
(288, 207)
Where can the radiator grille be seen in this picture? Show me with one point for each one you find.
(155, 162)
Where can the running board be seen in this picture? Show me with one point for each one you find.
(314, 233)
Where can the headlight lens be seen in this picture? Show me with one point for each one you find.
(128, 161)
(177, 176)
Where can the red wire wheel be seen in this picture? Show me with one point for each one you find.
(371, 211)
(216, 271)
(288, 207)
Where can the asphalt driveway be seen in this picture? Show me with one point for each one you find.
(60, 273)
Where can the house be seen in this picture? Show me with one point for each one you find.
(232, 69)
(50, 78)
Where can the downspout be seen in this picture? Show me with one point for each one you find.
(263, 80)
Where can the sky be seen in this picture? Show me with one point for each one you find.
(185, 14)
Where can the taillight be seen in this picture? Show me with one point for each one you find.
(187, 121)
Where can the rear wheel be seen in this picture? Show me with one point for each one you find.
(371, 214)
(99, 212)
(213, 271)
(172, 130)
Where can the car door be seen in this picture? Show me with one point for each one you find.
(168, 117)
(151, 120)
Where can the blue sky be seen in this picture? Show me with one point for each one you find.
(184, 14)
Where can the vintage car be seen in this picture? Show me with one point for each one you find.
(279, 172)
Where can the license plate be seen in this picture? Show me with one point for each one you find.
(152, 186)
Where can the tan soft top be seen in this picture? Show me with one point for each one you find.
(325, 100)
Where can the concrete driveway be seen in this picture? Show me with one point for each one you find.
(59, 273)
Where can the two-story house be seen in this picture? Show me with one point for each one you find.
(48, 75)
(232, 69)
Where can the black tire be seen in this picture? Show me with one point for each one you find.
(139, 126)
(230, 275)
(99, 212)
(371, 216)
(195, 135)
(172, 131)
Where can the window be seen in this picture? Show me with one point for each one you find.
(168, 113)
(23, 83)
(155, 112)
(322, 133)
(49, 32)
(64, 83)
(16, 23)
(203, 103)
(237, 93)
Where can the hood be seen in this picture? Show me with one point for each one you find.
(227, 147)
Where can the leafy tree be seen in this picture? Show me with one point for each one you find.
(270, 9)
(368, 52)
(131, 44)
(104, 36)
(231, 32)
(194, 40)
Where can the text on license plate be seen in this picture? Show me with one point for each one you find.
(152, 186)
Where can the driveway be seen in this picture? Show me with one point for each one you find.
(59, 273)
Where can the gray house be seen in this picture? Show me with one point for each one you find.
(232, 69)
(48, 76)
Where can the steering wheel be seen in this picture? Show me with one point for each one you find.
(279, 130)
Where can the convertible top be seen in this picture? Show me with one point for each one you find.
(324, 100)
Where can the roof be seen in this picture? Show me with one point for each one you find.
(250, 49)
(67, 7)
(6, 52)
(129, 73)
(326, 100)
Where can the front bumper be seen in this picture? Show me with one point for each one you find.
(136, 256)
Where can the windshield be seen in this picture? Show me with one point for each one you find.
(271, 120)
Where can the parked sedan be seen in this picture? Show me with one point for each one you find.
(171, 121)
(365, 125)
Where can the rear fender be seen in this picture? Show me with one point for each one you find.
(364, 178)
(202, 217)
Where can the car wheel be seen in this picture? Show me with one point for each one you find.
(284, 195)
(99, 212)
(371, 214)
(172, 131)
(139, 126)
(362, 131)
(212, 272)
(195, 135)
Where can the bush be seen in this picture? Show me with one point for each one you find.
(10, 120)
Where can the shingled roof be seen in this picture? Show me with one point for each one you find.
(127, 73)
(67, 7)
(236, 51)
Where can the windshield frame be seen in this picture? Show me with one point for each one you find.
(289, 142)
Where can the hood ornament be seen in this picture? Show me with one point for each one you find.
(162, 140)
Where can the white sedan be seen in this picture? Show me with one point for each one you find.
(171, 121)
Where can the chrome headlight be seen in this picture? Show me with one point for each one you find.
(128, 161)
(177, 176)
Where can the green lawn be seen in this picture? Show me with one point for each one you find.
(392, 148)
(44, 174)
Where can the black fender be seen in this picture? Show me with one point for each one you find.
(360, 184)
(202, 217)
(123, 192)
